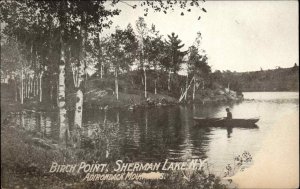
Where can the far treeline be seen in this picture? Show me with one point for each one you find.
(279, 79)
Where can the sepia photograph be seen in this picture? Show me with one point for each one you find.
(149, 94)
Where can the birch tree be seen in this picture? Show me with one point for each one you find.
(153, 51)
(142, 30)
(56, 24)
(198, 67)
(122, 52)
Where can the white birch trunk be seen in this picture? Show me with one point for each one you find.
(25, 87)
(194, 89)
(118, 117)
(116, 84)
(31, 86)
(155, 89)
(51, 94)
(79, 78)
(36, 86)
(78, 109)
(63, 127)
(78, 106)
(186, 85)
(22, 89)
(27, 84)
(40, 87)
(28, 87)
(24, 84)
(101, 71)
(16, 89)
(100, 54)
(62, 103)
(185, 93)
(104, 120)
(169, 81)
(145, 74)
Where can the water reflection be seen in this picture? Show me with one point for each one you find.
(40, 124)
(155, 134)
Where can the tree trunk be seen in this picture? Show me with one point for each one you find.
(118, 117)
(40, 86)
(104, 120)
(63, 127)
(16, 89)
(61, 99)
(51, 94)
(78, 109)
(169, 81)
(37, 89)
(142, 80)
(194, 89)
(30, 87)
(185, 93)
(80, 76)
(145, 74)
(116, 84)
(155, 87)
(100, 54)
(186, 84)
(34, 85)
(146, 122)
(25, 87)
(101, 70)
(22, 89)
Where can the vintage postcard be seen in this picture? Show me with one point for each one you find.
(166, 94)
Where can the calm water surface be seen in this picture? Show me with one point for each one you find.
(155, 134)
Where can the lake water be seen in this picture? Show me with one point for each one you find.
(156, 134)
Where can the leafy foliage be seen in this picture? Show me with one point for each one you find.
(42, 29)
(174, 56)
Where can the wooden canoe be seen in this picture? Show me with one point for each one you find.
(221, 122)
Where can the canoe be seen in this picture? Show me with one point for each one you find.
(221, 122)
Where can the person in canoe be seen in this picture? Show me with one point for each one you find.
(229, 114)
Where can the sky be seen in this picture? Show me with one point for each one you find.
(236, 35)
